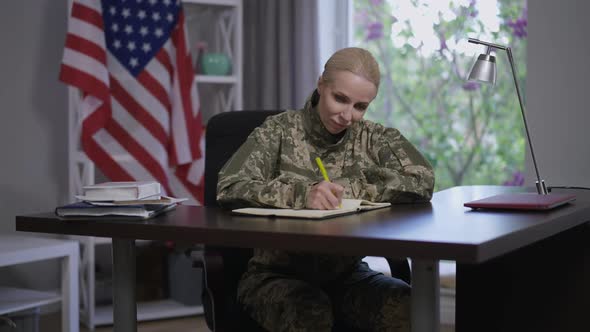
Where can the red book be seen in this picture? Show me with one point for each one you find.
(521, 201)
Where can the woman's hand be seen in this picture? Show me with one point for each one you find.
(324, 196)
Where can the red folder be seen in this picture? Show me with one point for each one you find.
(521, 201)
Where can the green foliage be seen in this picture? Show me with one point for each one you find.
(472, 134)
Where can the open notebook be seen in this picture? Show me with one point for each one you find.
(348, 206)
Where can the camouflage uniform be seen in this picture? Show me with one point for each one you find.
(275, 167)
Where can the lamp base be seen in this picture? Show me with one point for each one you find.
(521, 201)
(541, 187)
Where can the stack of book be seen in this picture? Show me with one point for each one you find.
(135, 200)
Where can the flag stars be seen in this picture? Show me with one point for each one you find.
(136, 29)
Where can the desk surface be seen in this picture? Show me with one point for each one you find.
(441, 229)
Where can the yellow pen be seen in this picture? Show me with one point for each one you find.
(323, 171)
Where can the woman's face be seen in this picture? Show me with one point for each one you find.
(344, 100)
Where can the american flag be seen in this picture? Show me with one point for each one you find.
(140, 117)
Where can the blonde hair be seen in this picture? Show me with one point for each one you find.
(355, 60)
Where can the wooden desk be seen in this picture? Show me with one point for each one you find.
(480, 242)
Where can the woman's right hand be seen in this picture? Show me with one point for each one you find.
(324, 196)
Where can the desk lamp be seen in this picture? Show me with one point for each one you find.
(484, 70)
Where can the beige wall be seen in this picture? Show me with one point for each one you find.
(33, 127)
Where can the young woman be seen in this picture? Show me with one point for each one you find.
(275, 167)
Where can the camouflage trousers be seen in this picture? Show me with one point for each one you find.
(284, 303)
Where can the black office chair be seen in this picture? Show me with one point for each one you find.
(222, 266)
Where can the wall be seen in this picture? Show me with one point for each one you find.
(558, 69)
(33, 129)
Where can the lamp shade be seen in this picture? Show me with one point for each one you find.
(484, 69)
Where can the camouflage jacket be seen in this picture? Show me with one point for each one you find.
(276, 167)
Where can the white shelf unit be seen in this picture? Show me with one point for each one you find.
(18, 299)
(149, 311)
(18, 249)
(219, 24)
(213, 79)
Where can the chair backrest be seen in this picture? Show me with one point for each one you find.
(226, 132)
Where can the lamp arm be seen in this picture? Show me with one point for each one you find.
(481, 42)
(541, 188)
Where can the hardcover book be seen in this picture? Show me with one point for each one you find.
(348, 206)
(86, 209)
(121, 191)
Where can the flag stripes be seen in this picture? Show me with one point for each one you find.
(144, 126)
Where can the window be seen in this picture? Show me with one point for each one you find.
(471, 133)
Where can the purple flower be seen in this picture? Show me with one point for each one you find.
(443, 42)
(376, 2)
(518, 27)
(517, 179)
(471, 86)
(472, 11)
(374, 31)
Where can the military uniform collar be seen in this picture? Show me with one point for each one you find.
(319, 135)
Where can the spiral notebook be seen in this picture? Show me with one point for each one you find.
(521, 201)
